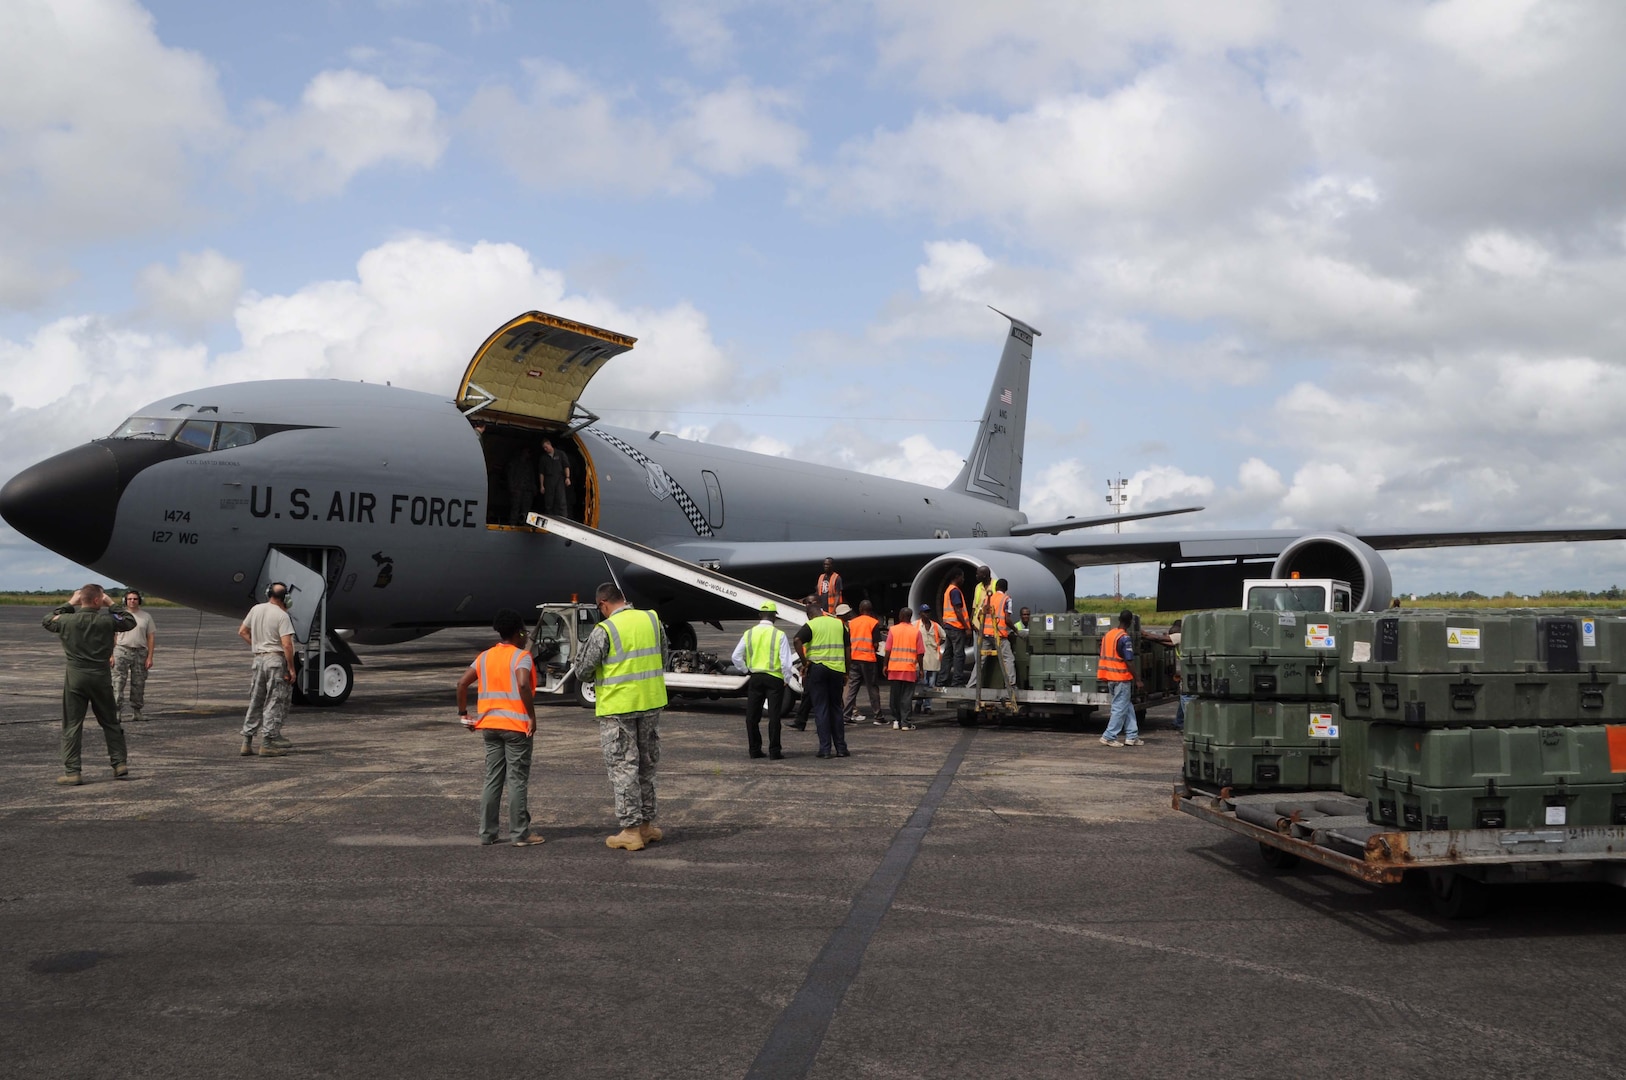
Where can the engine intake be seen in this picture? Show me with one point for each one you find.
(1033, 584)
(1339, 555)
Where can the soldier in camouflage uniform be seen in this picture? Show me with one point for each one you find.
(625, 659)
(270, 633)
(132, 657)
(87, 624)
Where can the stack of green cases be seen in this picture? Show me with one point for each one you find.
(1496, 778)
(1485, 719)
(1263, 745)
(1062, 649)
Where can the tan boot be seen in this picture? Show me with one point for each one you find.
(631, 839)
(651, 832)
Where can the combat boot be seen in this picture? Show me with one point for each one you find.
(69, 779)
(630, 839)
(121, 771)
(278, 741)
(247, 749)
(651, 832)
(272, 751)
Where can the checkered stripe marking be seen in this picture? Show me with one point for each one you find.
(696, 519)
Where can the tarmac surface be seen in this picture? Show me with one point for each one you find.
(1010, 902)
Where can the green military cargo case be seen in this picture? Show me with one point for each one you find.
(1353, 736)
(1278, 723)
(1237, 632)
(1263, 768)
(1489, 642)
(1261, 676)
(1493, 806)
(1064, 633)
(1505, 756)
(1451, 700)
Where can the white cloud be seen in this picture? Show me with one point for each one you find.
(346, 122)
(1023, 48)
(413, 314)
(616, 143)
(1500, 253)
(203, 287)
(99, 123)
(700, 27)
(1171, 142)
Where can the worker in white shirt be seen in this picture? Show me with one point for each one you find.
(764, 651)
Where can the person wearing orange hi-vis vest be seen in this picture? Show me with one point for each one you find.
(996, 638)
(1117, 670)
(506, 711)
(957, 627)
(863, 667)
(904, 647)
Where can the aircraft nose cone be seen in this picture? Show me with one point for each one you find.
(67, 502)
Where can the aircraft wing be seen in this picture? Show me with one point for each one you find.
(888, 557)
(1095, 550)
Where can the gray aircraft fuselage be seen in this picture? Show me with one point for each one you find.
(396, 481)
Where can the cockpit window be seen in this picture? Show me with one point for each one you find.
(147, 427)
(234, 435)
(198, 433)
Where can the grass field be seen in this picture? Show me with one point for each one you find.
(58, 597)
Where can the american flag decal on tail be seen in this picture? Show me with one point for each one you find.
(1005, 396)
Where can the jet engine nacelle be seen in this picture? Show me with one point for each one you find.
(1032, 583)
(1339, 555)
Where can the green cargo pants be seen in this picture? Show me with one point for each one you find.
(92, 688)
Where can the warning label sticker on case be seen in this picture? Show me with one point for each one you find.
(1319, 636)
(1322, 726)
(1461, 637)
(1556, 815)
(1589, 632)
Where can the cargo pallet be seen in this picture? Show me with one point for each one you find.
(970, 707)
(1332, 830)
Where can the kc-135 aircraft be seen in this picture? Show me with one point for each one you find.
(390, 514)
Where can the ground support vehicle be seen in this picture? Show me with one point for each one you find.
(561, 630)
(1460, 864)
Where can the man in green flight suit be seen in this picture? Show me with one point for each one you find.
(87, 624)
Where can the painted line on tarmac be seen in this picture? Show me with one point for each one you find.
(794, 1041)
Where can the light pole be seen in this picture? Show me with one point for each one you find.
(1117, 496)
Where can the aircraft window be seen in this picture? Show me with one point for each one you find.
(146, 427)
(1288, 598)
(234, 435)
(198, 433)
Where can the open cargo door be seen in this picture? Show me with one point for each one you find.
(535, 367)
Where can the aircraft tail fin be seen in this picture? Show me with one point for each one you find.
(993, 471)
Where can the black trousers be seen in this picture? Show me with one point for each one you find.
(903, 696)
(825, 687)
(762, 688)
(955, 673)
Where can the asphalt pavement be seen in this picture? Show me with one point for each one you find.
(998, 902)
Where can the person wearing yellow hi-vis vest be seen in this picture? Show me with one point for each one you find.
(625, 660)
(822, 644)
(764, 652)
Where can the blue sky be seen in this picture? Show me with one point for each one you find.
(1310, 266)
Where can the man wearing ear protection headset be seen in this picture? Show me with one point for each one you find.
(269, 632)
